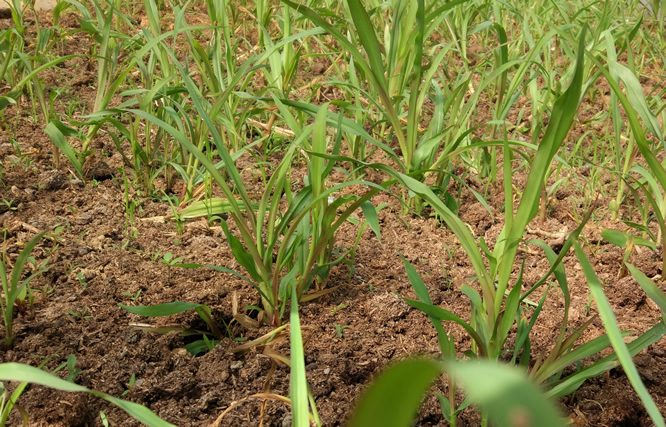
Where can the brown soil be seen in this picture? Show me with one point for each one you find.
(93, 268)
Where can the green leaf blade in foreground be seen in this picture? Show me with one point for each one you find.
(298, 384)
(506, 394)
(615, 336)
(160, 310)
(25, 373)
(502, 391)
(394, 397)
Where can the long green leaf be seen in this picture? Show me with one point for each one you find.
(561, 119)
(61, 144)
(298, 383)
(503, 392)
(207, 207)
(160, 310)
(441, 314)
(595, 346)
(445, 344)
(571, 384)
(25, 373)
(649, 287)
(395, 395)
(368, 38)
(20, 262)
(506, 394)
(636, 97)
(615, 336)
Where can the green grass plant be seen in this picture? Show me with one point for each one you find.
(499, 305)
(15, 288)
(412, 23)
(299, 240)
(637, 109)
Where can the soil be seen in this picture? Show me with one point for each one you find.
(350, 334)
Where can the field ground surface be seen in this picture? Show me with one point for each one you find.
(98, 259)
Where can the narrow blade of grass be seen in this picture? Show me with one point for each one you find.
(24, 373)
(649, 287)
(615, 336)
(298, 384)
(561, 119)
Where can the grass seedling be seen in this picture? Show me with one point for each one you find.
(339, 307)
(80, 315)
(14, 288)
(133, 297)
(130, 386)
(339, 329)
(177, 216)
(45, 292)
(304, 235)
(8, 205)
(71, 267)
(82, 279)
(130, 210)
(70, 364)
(169, 261)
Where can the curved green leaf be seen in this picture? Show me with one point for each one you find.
(441, 314)
(394, 397)
(505, 394)
(615, 335)
(649, 287)
(160, 310)
(370, 214)
(617, 238)
(25, 373)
